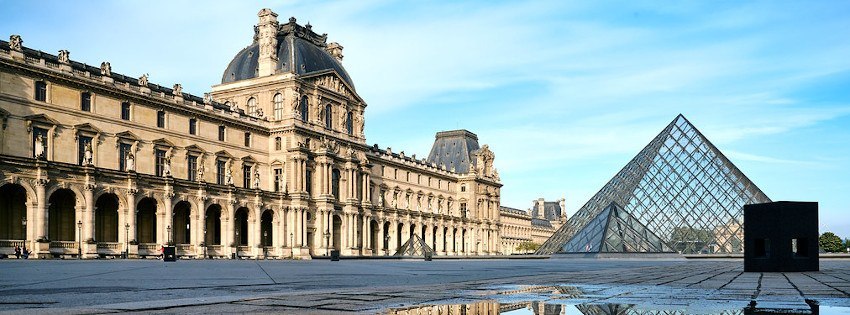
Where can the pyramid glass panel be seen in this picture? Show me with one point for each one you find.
(680, 189)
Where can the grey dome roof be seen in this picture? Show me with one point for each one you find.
(298, 46)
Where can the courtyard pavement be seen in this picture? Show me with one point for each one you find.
(391, 286)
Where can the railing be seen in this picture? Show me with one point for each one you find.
(269, 250)
(79, 72)
(32, 59)
(109, 245)
(64, 244)
(184, 247)
(148, 247)
(12, 243)
(51, 64)
(243, 248)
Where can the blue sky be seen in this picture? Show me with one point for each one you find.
(565, 93)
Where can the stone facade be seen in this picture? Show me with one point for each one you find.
(535, 225)
(273, 163)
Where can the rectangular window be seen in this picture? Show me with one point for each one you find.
(219, 172)
(246, 176)
(160, 119)
(123, 151)
(125, 110)
(41, 91)
(309, 181)
(85, 101)
(221, 130)
(799, 246)
(160, 162)
(463, 209)
(192, 168)
(39, 135)
(278, 178)
(193, 126)
(247, 139)
(81, 150)
(761, 248)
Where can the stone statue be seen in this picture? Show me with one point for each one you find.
(166, 167)
(200, 173)
(15, 42)
(359, 120)
(178, 90)
(381, 198)
(143, 80)
(256, 179)
(39, 147)
(228, 176)
(105, 69)
(349, 152)
(233, 107)
(64, 56)
(395, 200)
(260, 113)
(131, 162)
(88, 156)
(207, 98)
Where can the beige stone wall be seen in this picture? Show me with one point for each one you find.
(358, 221)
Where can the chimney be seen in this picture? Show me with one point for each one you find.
(267, 38)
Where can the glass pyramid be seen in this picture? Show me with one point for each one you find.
(615, 231)
(415, 246)
(681, 188)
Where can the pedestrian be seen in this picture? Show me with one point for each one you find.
(17, 252)
(26, 253)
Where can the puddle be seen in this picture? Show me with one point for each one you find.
(567, 299)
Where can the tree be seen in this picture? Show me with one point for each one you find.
(830, 243)
(527, 247)
(846, 243)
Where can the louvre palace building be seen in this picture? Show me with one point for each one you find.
(273, 162)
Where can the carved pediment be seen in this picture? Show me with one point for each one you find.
(86, 127)
(332, 81)
(223, 154)
(249, 159)
(195, 148)
(126, 135)
(277, 162)
(163, 142)
(40, 119)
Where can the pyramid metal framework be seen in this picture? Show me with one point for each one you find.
(615, 231)
(681, 188)
(415, 246)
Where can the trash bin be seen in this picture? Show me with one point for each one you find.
(233, 256)
(334, 255)
(169, 253)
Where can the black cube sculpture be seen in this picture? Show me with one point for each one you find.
(781, 236)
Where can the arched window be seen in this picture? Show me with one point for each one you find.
(277, 144)
(329, 116)
(278, 106)
(252, 106)
(305, 109)
(349, 124)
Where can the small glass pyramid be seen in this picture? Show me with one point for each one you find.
(679, 188)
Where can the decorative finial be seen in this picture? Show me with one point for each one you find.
(15, 42)
(178, 90)
(143, 80)
(308, 26)
(292, 19)
(64, 56)
(105, 69)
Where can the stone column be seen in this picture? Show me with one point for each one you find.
(40, 222)
(378, 249)
(366, 235)
(130, 215)
(88, 218)
(429, 235)
(168, 220)
(229, 226)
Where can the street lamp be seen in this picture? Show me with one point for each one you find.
(126, 240)
(24, 223)
(386, 244)
(80, 237)
(169, 235)
(291, 245)
(328, 240)
(265, 241)
(205, 243)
